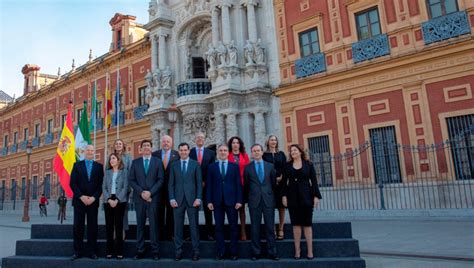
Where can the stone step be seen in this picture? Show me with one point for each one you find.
(323, 248)
(320, 230)
(60, 262)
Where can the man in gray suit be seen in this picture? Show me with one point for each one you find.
(259, 182)
(146, 179)
(185, 193)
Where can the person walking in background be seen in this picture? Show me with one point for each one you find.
(278, 159)
(204, 157)
(259, 181)
(165, 211)
(86, 184)
(185, 194)
(62, 202)
(115, 190)
(43, 202)
(146, 179)
(224, 196)
(239, 157)
(300, 195)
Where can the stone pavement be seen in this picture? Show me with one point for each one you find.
(397, 242)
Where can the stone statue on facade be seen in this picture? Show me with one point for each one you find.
(249, 53)
(149, 79)
(222, 53)
(259, 52)
(166, 78)
(211, 56)
(157, 77)
(232, 53)
(152, 8)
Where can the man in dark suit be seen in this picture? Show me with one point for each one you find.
(204, 157)
(185, 193)
(165, 211)
(146, 179)
(224, 196)
(86, 184)
(259, 181)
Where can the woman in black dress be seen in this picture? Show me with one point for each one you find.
(278, 159)
(300, 195)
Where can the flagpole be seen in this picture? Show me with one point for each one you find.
(106, 116)
(117, 102)
(94, 106)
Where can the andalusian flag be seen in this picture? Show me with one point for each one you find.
(108, 105)
(94, 107)
(83, 136)
(65, 154)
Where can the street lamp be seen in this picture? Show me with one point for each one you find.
(26, 207)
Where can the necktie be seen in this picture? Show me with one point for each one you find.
(199, 156)
(165, 160)
(222, 170)
(260, 172)
(147, 164)
(89, 169)
(183, 168)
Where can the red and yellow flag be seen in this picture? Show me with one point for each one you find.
(66, 154)
(108, 105)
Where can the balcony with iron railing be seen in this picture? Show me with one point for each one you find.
(139, 111)
(4, 151)
(48, 138)
(14, 148)
(35, 142)
(310, 65)
(23, 145)
(370, 48)
(445, 27)
(121, 119)
(194, 87)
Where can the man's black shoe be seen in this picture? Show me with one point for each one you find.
(178, 257)
(255, 257)
(234, 258)
(156, 257)
(195, 257)
(273, 257)
(139, 256)
(219, 257)
(93, 256)
(75, 257)
(210, 238)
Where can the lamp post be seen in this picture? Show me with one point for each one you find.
(172, 118)
(26, 216)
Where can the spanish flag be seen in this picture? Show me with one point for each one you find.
(65, 154)
(108, 105)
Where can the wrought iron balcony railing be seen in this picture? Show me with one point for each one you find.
(194, 87)
(35, 142)
(139, 111)
(48, 139)
(445, 27)
(371, 48)
(310, 65)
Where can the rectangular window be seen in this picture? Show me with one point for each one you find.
(461, 139)
(309, 42)
(50, 126)
(15, 137)
(99, 110)
(25, 134)
(320, 155)
(119, 39)
(63, 120)
(13, 190)
(23, 188)
(37, 130)
(141, 96)
(385, 155)
(34, 192)
(2, 194)
(47, 185)
(199, 67)
(368, 23)
(79, 113)
(438, 8)
(5, 141)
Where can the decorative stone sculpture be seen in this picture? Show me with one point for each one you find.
(259, 52)
(152, 8)
(232, 53)
(157, 78)
(222, 53)
(249, 53)
(211, 56)
(149, 79)
(166, 78)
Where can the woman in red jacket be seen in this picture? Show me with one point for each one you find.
(237, 155)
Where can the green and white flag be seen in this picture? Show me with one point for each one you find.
(83, 137)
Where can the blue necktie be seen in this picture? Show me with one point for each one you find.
(147, 163)
(223, 170)
(260, 172)
(89, 169)
(183, 168)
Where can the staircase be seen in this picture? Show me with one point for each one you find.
(51, 246)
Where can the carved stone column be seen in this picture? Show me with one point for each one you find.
(259, 128)
(162, 50)
(154, 52)
(252, 23)
(231, 125)
(226, 23)
(219, 132)
(215, 27)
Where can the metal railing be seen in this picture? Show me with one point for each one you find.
(445, 27)
(387, 175)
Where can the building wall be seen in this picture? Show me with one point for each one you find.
(414, 88)
(51, 102)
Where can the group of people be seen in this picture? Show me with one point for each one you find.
(168, 184)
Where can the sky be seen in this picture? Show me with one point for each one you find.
(50, 33)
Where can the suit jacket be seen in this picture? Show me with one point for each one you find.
(229, 189)
(255, 189)
(208, 157)
(174, 155)
(300, 191)
(121, 185)
(186, 186)
(80, 184)
(153, 181)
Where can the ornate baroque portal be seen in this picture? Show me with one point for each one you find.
(212, 63)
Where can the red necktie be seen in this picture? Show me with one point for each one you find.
(199, 156)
